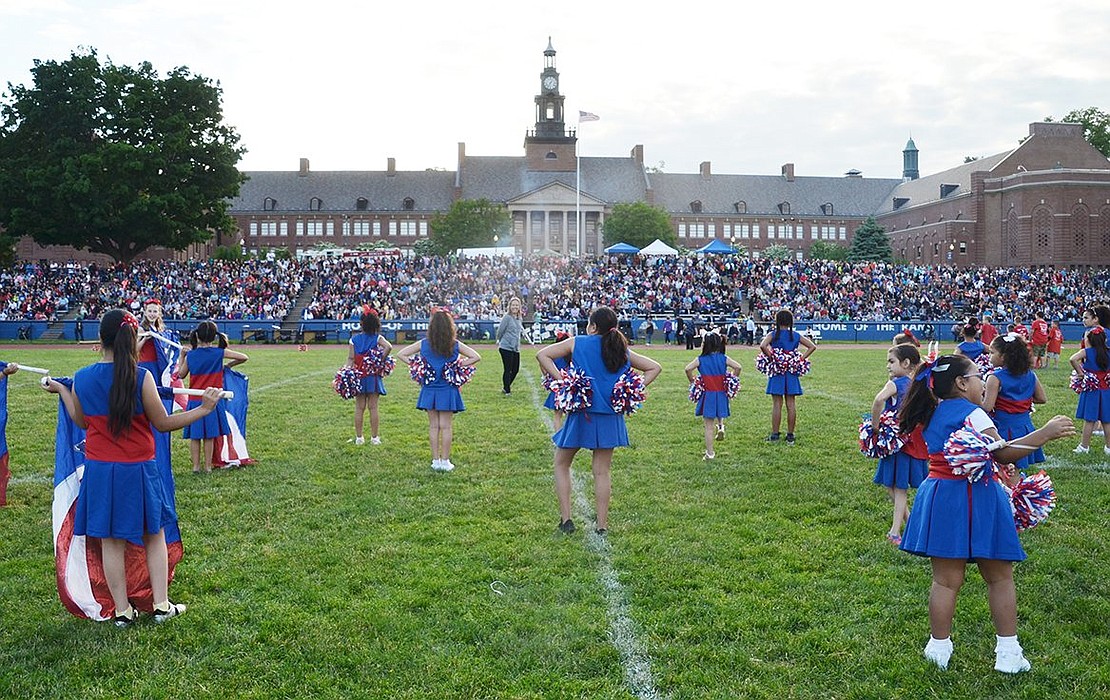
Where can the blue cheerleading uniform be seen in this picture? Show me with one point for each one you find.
(1011, 414)
(785, 384)
(599, 426)
(971, 349)
(953, 518)
(156, 363)
(363, 343)
(1095, 405)
(909, 466)
(122, 494)
(440, 395)
(714, 401)
(561, 363)
(206, 369)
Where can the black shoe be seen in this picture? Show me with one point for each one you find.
(567, 527)
(601, 532)
(790, 439)
(773, 437)
(124, 621)
(172, 610)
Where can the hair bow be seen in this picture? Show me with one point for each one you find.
(129, 320)
(908, 332)
(156, 302)
(1097, 330)
(1010, 337)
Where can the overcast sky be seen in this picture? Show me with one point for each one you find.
(828, 86)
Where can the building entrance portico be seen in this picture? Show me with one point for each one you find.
(544, 219)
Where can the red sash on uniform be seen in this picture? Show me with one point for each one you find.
(940, 469)
(713, 382)
(1006, 405)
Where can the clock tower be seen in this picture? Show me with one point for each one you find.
(550, 146)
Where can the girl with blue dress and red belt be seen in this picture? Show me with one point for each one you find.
(908, 467)
(371, 385)
(971, 347)
(1094, 403)
(122, 497)
(203, 362)
(603, 356)
(1011, 390)
(783, 388)
(713, 364)
(440, 398)
(955, 520)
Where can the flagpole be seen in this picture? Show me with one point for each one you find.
(582, 117)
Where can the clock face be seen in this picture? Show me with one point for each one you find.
(549, 82)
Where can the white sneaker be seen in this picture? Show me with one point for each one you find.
(1081, 450)
(360, 441)
(1011, 661)
(939, 651)
(1106, 451)
(437, 465)
(375, 441)
(447, 465)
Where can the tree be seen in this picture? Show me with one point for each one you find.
(870, 243)
(469, 223)
(776, 251)
(115, 159)
(638, 224)
(823, 250)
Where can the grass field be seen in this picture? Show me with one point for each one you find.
(333, 571)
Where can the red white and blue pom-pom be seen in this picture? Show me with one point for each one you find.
(732, 384)
(347, 382)
(420, 371)
(983, 362)
(880, 441)
(628, 393)
(697, 389)
(378, 363)
(794, 363)
(458, 374)
(573, 391)
(764, 364)
(968, 452)
(782, 362)
(1083, 381)
(548, 382)
(1032, 499)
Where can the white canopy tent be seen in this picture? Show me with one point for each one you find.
(658, 247)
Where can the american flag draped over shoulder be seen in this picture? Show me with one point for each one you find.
(231, 450)
(5, 472)
(166, 376)
(78, 565)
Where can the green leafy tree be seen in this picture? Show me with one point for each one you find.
(469, 223)
(1096, 127)
(777, 251)
(870, 243)
(823, 250)
(638, 224)
(116, 159)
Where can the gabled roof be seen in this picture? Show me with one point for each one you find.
(610, 180)
(338, 190)
(927, 189)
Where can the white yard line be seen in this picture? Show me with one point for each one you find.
(623, 631)
(290, 380)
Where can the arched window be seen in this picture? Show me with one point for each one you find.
(695, 206)
(551, 155)
(741, 207)
(784, 207)
(269, 204)
(408, 204)
(362, 203)
(827, 209)
(315, 204)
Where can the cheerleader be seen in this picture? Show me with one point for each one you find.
(371, 385)
(712, 405)
(956, 520)
(121, 498)
(1094, 404)
(971, 347)
(603, 355)
(906, 468)
(783, 388)
(7, 369)
(204, 360)
(440, 398)
(561, 363)
(1011, 390)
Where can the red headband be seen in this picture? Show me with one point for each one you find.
(156, 302)
(1097, 330)
(129, 320)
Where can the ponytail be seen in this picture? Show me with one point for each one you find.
(1015, 356)
(118, 330)
(614, 347)
(932, 382)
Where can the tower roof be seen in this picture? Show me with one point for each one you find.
(910, 145)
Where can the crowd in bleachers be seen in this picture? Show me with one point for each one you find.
(479, 288)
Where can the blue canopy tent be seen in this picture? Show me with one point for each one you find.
(718, 247)
(622, 249)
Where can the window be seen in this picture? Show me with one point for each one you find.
(362, 228)
(682, 230)
(361, 203)
(329, 227)
(283, 228)
(408, 204)
(695, 206)
(745, 230)
(843, 233)
(315, 228)
(346, 227)
(741, 207)
(423, 229)
(726, 229)
(813, 233)
(784, 207)
(408, 228)
(755, 230)
(269, 228)
(711, 230)
(827, 209)
(377, 228)
(315, 204)
(963, 247)
(300, 227)
(269, 204)
(551, 155)
(392, 228)
(254, 228)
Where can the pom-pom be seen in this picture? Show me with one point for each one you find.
(548, 382)
(782, 362)
(882, 440)
(628, 393)
(1083, 381)
(420, 371)
(983, 362)
(573, 391)
(347, 382)
(732, 384)
(968, 452)
(697, 389)
(1032, 499)
(458, 374)
(377, 363)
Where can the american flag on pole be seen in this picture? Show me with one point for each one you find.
(231, 450)
(78, 565)
(5, 472)
(167, 368)
(587, 117)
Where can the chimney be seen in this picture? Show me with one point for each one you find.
(788, 172)
(390, 167)
(638, 154)
(304, 168)
(462, 153)
(705, 169)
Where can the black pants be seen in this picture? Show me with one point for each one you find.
(511, 362)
